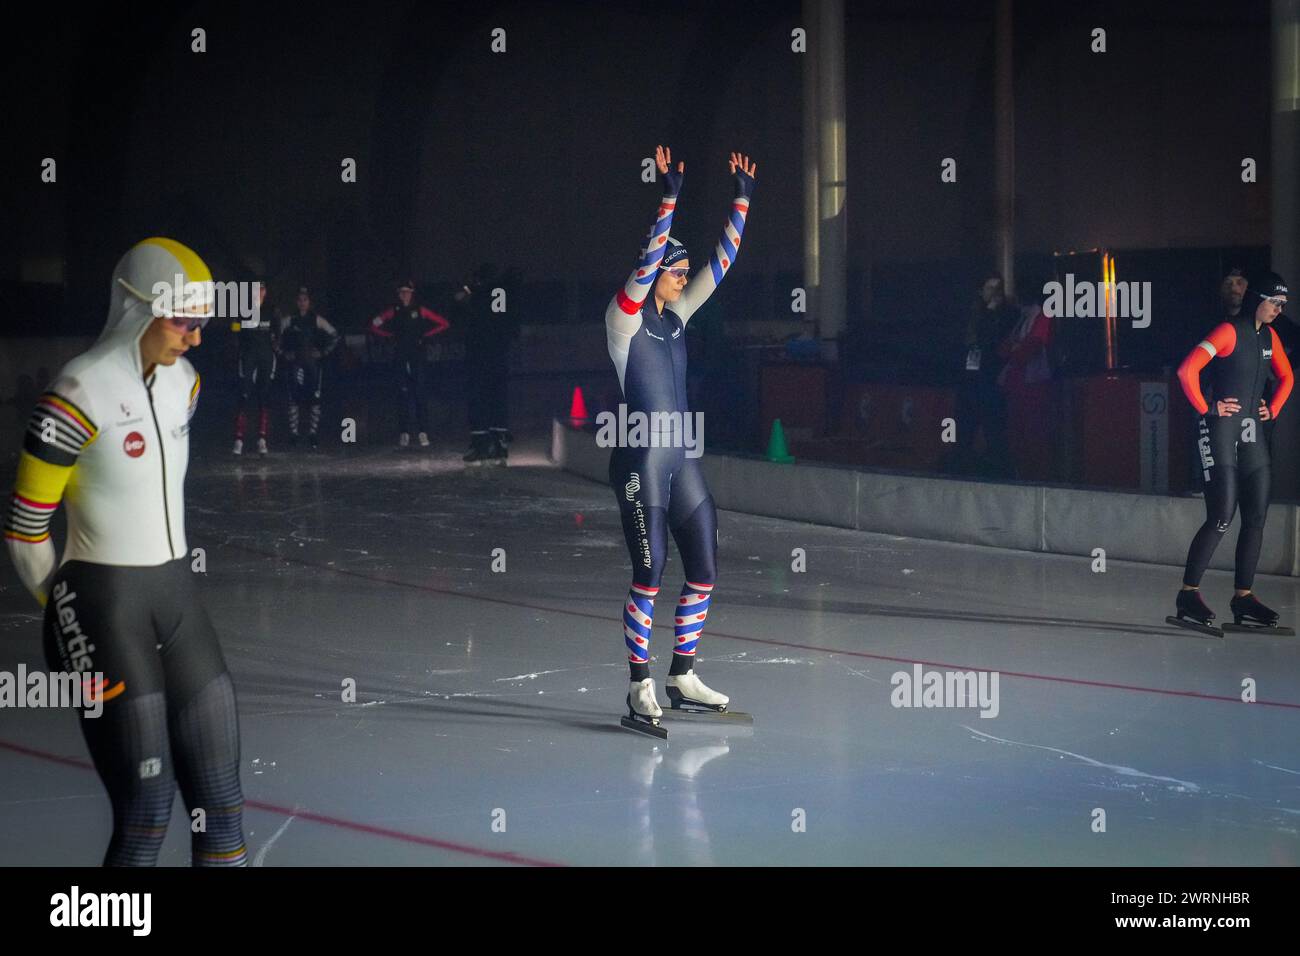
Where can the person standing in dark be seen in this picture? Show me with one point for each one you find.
(980, 401)
(1231, 292)
(258, 345)
(409, 325)
(306, 339)
(490, 326)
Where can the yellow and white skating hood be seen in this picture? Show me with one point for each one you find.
(111, 444)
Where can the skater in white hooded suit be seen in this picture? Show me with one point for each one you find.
(109, 440)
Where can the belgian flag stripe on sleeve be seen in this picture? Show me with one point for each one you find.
(37, 493)
(58, 430)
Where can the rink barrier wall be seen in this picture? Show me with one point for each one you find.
(1154, 529)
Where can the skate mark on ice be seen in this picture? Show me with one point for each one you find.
(857, 673)
(18, 619)
(562, 670)
(1181, 785)
(260, 858)
(1271, 767)
(742, 658)
(43, 800)
(533, 676)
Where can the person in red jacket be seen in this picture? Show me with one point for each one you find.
(1025, 379)
(1238, 355)
(409, 325)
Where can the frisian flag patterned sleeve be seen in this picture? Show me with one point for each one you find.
(724, 253)
(623, 315)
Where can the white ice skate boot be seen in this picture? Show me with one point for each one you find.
(643, 711)
(687, 690)
(424, 440)
(261, 447)
(403, 440)
(239, 447)
(641, 699)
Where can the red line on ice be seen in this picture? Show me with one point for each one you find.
(339, 822)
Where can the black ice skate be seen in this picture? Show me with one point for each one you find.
(1250, 614)
(480, 449)
(498, 447)
(1194, 614)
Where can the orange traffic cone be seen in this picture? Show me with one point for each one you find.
(776, 450)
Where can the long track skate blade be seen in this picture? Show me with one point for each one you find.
(1277, 630)
(1208, 630)
(641, 727)
(689, 714)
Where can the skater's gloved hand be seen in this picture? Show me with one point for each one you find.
(1228, 406)
(672, 177)
(1264, 413)
(745, 173)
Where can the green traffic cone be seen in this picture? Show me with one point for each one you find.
(776, 450)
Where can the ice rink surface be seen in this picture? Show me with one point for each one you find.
(485, 728)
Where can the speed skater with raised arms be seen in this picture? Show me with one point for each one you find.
(659, 488)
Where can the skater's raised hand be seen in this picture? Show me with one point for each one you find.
(745, 172)
(1227, 406)
(1264, 413)
(672, 177)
